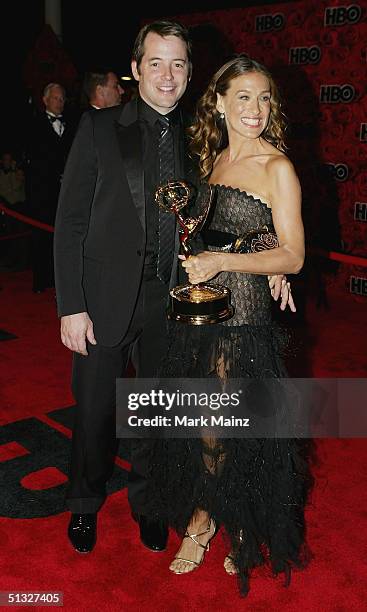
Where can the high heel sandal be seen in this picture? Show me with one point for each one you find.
(230, 567)
(206, 546)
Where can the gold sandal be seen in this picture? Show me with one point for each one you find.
(206, 546)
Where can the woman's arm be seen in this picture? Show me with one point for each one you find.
(288, 258)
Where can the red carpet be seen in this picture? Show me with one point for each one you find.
(120, 574)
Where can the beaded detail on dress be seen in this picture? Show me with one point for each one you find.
(235, 212)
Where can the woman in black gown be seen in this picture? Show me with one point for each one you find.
(255, 488)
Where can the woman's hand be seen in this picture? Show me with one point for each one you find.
(202, 267)
(279, 286)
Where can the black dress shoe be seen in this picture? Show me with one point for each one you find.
(82, 532)
(153, 532)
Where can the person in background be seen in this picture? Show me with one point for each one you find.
(12, 189)
(102, 89)
(12, 194)
(49, 142)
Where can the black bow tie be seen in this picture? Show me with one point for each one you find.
(53, 119)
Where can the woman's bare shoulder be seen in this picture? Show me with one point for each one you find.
(278, 162)
(282, 176)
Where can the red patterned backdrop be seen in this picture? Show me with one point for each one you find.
(316, 49)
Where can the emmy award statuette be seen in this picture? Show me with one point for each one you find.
(204, 303)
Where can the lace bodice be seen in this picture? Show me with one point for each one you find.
(236, 212)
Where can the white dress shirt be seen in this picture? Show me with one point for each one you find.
(57, 125)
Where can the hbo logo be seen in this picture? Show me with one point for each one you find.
(340, 15)
(340, 172)
(265, 23)
(304, 55)
(332, 94)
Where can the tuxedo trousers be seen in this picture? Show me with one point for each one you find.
(94, 443)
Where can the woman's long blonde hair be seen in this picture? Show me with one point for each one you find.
(209, 132)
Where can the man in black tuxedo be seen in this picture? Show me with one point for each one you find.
(111, 293)
(114, 266)
(49, 143)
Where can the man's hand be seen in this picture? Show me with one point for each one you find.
(75, 329)
(280, 287)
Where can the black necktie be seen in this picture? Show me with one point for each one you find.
(166, 222)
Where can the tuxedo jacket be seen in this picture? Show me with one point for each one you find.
(100, 230)
(47, 153)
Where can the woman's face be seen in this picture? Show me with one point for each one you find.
(246, 104)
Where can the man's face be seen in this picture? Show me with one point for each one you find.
(163, 72)
(55, 101)
(112, 91)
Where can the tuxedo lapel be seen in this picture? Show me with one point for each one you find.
(131, 149)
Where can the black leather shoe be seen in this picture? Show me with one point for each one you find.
(82, 532)
(153, 532)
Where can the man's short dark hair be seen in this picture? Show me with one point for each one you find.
(162, 28)
(94, 78)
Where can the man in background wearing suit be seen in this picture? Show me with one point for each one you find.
(102, 89)
(48, 146)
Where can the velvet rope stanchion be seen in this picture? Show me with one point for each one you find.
(352, 260)
(25, 219)
(15, 236)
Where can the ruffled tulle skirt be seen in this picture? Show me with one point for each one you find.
(255, 488)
